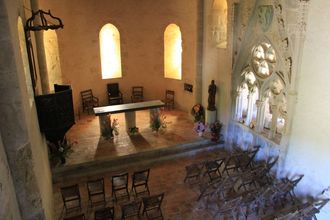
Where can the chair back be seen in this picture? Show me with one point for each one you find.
(96, 193)
(113, 89)
(107, 213)
(153, 202)
(169, 94)
(119, 180)
(86, 95)
(169, 98)
(137, 93)
(95, 186)
(71, 197)
(131, 209)
(141, 177)
(77, 217)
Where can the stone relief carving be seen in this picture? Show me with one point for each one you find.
(265, 16)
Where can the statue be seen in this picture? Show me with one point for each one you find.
(211, 99)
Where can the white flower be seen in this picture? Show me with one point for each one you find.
(61, 149)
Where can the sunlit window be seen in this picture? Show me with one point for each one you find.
(110, 52)
(172, 52)
(219, 23)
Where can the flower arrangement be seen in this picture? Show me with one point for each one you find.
(133, 130)
(157, 121)
(60, 151)
(200, 127)
(215, 129)
(110, 128)
(198, 112)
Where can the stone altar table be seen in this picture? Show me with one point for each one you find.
(129, 110)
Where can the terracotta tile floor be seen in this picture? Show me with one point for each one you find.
(180, 200)
(91, 146)
(166, 176)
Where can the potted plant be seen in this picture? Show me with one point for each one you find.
(200, 127)
(215, 129)
(158, 121)
(110, 128)
(60, 151)
(198, 113)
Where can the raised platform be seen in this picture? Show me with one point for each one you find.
(93, 154)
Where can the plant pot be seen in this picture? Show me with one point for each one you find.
(215, 137)
(63, 160)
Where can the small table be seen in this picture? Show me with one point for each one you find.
(129, 110)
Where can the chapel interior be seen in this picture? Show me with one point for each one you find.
(253, 145)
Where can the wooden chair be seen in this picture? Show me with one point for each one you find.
(89, 101)
(152, 206)
(114, 95)
(96, 192)
(137, 94)
(213, 168)
(131, 210)
(169, 99)
(120, 186)
(71, 197)
(229, 207)
(76, 217)
(107, 213)
(140, 182)
(193, 171)
(232, 163)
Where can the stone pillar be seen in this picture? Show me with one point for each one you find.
(238, 112)
(250, 110)
(40, 54)
(211, 117)
(260, 115)
(130, 120)
(274, 121)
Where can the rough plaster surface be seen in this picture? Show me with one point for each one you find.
(141, 25)
(26, 152)
(309, 143)
(217, 67)
(8, 203)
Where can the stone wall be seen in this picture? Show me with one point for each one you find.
(141, 25)
(8, 203)
(24, 145)
(299, 35)
(309, 150)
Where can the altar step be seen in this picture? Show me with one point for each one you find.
(145, 158)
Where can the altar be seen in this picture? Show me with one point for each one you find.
(129, 110)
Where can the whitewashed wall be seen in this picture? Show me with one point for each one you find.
(309, 146)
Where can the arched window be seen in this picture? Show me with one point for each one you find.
(219, 26)
(52, 58)
(172, 52)
(110, 52)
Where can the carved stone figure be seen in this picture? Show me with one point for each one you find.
(211, 99)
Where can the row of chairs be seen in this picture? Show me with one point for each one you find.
(96, 190)
(237, 185)
(151, 209)
(119, 192)
(89, 101)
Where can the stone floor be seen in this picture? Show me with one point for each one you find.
(180, 200)
(165, 176)
(91, 147)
